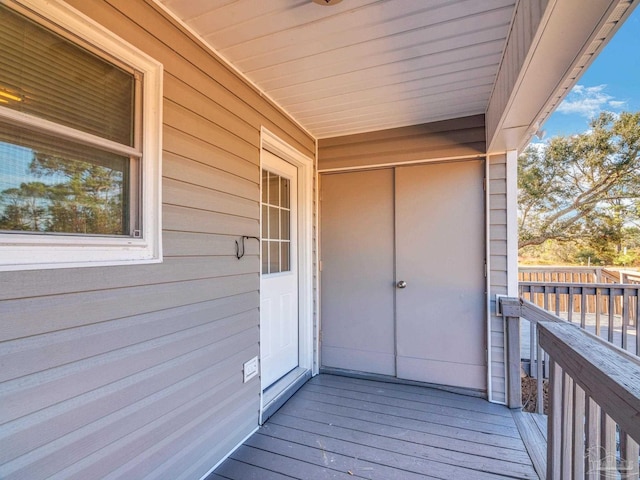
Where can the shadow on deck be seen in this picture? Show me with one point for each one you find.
(338, 427)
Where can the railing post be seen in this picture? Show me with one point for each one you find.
(514, 359)
(510, 308)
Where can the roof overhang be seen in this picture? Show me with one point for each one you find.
(371, 65)
(570, 35)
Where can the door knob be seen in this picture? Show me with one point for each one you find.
(401, 284)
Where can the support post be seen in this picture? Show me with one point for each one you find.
(513, 356)
(510, 308)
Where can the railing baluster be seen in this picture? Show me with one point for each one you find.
(567, 425)
(539, 379)
(625, 319)
(570, 305)
(578, 432)
(629, 453)
(533, 359)
(592, 439)
(608, 443)
(554, 423)
(598, 306)
(583, 308)
(637, 352)
(546, 297)
(612, 313)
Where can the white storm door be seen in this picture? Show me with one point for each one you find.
(279, 279)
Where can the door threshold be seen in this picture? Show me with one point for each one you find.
(276, 395)
(469, 392)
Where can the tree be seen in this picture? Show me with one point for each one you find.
(583, 187)
(75, 196)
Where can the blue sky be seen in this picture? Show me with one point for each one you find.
(611, 83)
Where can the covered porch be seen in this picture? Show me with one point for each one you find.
(344, 427)
(159, 368)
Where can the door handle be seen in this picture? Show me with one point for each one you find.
(401, 284)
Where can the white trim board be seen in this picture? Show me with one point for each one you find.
(305, 166)
(479, 156)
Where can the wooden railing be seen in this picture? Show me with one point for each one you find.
(607, 310)
(594, 395)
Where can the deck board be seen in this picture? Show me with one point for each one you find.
(533, 429)
(339, 427)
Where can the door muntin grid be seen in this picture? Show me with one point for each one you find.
(276, 223)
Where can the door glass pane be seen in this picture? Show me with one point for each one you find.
(274, 257)
(284, 257)
(274, 189)
(284, 192)
(285, 233)
(274, 223)
(265, 186)
(265, 221)
(265, 257)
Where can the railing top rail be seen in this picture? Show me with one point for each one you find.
(556, 268)
(519, 307)
(578, 288)
(604, 372)
(580, 284)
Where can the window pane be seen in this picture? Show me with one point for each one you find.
(265, 257)
(50, 185)
(274, 223)
(284, 193)
(45, 75)
(285, 225)
(274, 189)
(274, 257)
(284, 257)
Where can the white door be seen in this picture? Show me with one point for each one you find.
(279, 279)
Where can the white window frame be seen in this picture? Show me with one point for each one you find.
(44, 251)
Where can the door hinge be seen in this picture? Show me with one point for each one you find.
(485, 269)
(484, 184)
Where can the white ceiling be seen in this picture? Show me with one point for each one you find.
(361, 65)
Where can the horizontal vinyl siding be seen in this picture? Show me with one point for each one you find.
(136, 371)
(497, 182)
(461, 137)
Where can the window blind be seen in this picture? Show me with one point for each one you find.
(45, 75)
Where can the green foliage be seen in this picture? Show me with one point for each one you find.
(584, 190)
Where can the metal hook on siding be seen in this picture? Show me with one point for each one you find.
(240, 251)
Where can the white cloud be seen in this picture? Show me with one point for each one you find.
(589, 101)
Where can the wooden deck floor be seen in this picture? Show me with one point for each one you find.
(344, 428)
